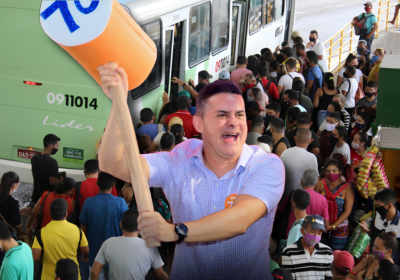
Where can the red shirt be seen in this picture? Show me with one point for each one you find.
(187, 120)
(355, 158)
(89, 188)
(46, 207)
(272, 91)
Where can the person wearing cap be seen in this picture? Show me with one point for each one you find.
(295, 34)
(66, 269)
(257, 129)
(192, 109)
(319, 48)
(187, 118)
(241, 71)
(266, 143)
(342, 265)
(156, 143)
(224, 76)
(204, 79)
(247, 84)
(362, 48)
(371, 24)
(308, 258)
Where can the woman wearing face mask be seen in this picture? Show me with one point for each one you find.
(351, 60)
(376, 60)
(258, 95)
(362, 124)
(384, 246)
(358, 148)
(333, 107)
(340, 197)
(323, 96)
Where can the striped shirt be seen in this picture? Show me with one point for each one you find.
(346, 117)
(303, 266)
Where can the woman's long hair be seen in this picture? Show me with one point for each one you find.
(9, 178)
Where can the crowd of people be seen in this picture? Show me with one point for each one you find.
(252, 174)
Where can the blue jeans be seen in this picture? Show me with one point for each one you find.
(369, 41)
(84, 269)
(104, 274)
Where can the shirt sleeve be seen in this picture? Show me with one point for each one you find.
(269, 191)
(310, 76)
(53, 169)
(344, 86)
(101, 258)
(10, 272)
(315, 143)
(84, 241)
(158, 138)
(373, 20)
(318, 48)
(156, 261)
(273, 91)
(325, 214)
(281, 81)
(328, 272)
(36, 244)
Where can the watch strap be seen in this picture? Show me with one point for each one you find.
(182, 231)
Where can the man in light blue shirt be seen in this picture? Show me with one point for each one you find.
(300, 202)
(371, 24)
(223, 193)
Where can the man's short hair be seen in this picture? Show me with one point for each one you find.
(386, 196)
(342, 97)
(301, 199)
(262, 71)
(67, 269)
(310, 177)
(91, 166)
(291, 63)
(105, 181)
(285, 43)
(146, 115)
(314, 31)
(342, 131)
(292, 114)
(292, 94)
(66, 185)
(300, 46)
(298, 40)
(241, 60)
(50, 139)
(58, 209)
(303, 134)
(274, 64)
(277, 124)
(351, 70)
(288, 52)
(335, 116)
(167, 140)
(304, 118)
(129, 220)
(257, 122)
(212, 89)
(362, 42)
(5, 233)
(371, 84)
(274, 106)
(312, 56)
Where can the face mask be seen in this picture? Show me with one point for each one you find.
(369, 94)
(312, 39)
(54, 151)
(360, 50)
(311, 240)
(248, 86)
(374, 58)
(382, 211)
(359, 126)
(333, 177)
(378, 254)
(268, 118)
(367, 9)
(345, 75)
(333, 140)
(330, 127)
(355, 146)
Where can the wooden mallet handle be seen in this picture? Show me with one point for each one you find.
(138, 177)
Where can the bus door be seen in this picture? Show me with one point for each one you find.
(176, 53)
(288, 20)
(169, 33)
(238, 9)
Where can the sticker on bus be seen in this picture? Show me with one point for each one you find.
(27, 154)
(72, 155)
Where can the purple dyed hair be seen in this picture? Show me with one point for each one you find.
(212, 89)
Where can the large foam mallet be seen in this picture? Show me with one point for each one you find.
(94, 33)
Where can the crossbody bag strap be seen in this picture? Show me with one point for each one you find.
(7, 223)
(340, 190)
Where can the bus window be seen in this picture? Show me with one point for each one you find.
(220, 25)
(279, 9)
(152, 29)
(168, 54)
(199, 38)
(235, 17)
(268, 16)
(255, 16)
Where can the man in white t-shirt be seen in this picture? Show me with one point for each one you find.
(319, 48)
(341, 147)
(286, 81)
(297, 159)
(128, 256)
(349, 89)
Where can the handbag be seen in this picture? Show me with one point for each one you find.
(16, 233)
(359, 93)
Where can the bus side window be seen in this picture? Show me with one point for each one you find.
(220, 25)
(152, 29)
(255, 16)
(279, 8)
(268, 9)
(199, 38)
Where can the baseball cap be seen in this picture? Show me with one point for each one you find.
(368, 4)
(183, 101)
(343, 260)
(224, 75)
(316, 221)
(255, 105)
(184, 93)
(295, 34)
(281, 274)
(67, 269)
(204, 75)
(175, 120)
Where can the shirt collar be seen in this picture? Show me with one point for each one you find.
(396, 219)
(183, 112)
(16, 248)
(244, 157)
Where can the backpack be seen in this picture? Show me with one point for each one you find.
(330, 198)
(73, 218)
(318, 83)
(360, 26)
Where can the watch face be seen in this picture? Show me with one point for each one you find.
(181, 231)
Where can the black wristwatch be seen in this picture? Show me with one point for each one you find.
(182, 232)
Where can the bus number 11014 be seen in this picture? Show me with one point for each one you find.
(72, 100)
